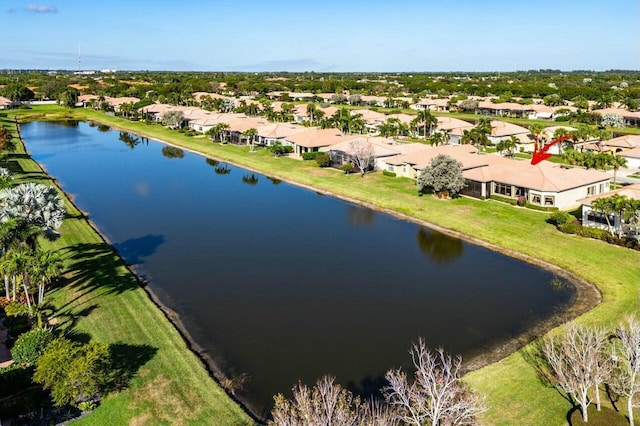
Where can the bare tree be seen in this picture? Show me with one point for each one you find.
(626, 378)
(377, 413)
(436, 396)
(578, 362)
(326, 404)
(362, 155)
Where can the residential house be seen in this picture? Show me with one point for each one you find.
(623, 143)
(631, 118)
(6, 103)
(381, 148)
(206, 122)
(544, 184)
(453, 127)
(313, 139)
(597, 219)
(115, 103)
(238, 125)
(632, 156)
(437, 105)
(86, 100)
(273, 133)
(501, 130)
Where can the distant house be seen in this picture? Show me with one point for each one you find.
(6, 103)
(501, 130)
(453, 127)
(596, 219)
(115, 103)
(85, 101)
(632, 156)
(437, 105)
(623, 143)
(207, 122)
(631, 118)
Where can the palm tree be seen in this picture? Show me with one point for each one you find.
(507, 145)
(47, 266)
(536, 129)
(16, 263)
(311, 109)
(216, 131)
(617, 162)
(427, 119)
(438, 138)
(250, 135)
(38, 204)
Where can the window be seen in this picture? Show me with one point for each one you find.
(390, 167)
(601, 188)
(598, 217)
(549, 201)
(520, 192)
(591, 191)
(404, 168)
(502, 189)
(536, 199)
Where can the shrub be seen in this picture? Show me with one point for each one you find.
(570, 228)
(347, 168)
(559, 218)
(310, 155)
(30, 345)
(17, 325)
(521, 201)
(388, 173)
(278, 149)
(73, 372)
(598, 234)
(15, 309)
(323, 160)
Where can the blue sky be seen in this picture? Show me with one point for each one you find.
(329, 35)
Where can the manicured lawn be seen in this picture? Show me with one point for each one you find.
(514, 393)
(103, 301)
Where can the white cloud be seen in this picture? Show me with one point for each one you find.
(36, 8)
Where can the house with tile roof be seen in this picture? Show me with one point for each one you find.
(544, 184)
(596, 219)
(381, 149)
(313, 139)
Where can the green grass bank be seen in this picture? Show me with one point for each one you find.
(514, 393)
(102, 300)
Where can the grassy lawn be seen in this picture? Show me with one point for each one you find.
(515, 395)
(103, 301)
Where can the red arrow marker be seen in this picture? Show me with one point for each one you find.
(542, 154)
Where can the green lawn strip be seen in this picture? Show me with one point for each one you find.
(102, 300)
(511, 385)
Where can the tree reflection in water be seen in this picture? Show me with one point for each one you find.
(439, 247)
(360, 216)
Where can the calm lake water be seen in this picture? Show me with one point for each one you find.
(282, 283)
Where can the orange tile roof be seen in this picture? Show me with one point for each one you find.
(315, 137)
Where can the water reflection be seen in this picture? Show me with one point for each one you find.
(250, 179)
(172, 152)
(274, 180)
(360, 216)
(439, 247)
(212, 162)
(103, 128)
(131, 140)
(223, 169)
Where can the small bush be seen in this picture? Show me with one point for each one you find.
(570, 228)
(323, 160)
(310, 155)
(559, 218)
(16, 309)
(388, 173)
(347, 168)
(30, 345)
(521, 201)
